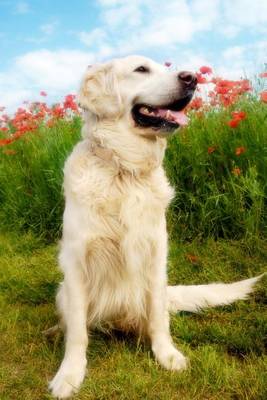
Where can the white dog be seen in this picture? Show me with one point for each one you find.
(114, 247)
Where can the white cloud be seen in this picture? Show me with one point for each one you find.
(50, 70)
(48, 28)
(233, 53)
(245, 13)
(129, 13)
(93, 38)
(229, 31)
(22, 7)
(205, 13)
(111, 2)
(243, 61)
(150, 24)
(192, 61)
(58, 73)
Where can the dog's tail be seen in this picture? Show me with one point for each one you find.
(195, 297)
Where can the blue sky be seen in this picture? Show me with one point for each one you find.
(46, 45)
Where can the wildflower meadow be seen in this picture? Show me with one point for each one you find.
(218, 230)
(217, 164)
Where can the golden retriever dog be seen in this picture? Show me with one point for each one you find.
(114, 246)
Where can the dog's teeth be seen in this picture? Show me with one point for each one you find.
(168, 114)
(144, 110)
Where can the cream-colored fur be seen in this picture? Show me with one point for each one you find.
(114, 246)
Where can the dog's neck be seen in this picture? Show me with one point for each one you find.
(124, 151)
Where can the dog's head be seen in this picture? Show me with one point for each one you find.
(148, 95)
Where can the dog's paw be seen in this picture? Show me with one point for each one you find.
(67, 380)
(171, 359)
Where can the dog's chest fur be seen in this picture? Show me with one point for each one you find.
(123, 219)
(126, 197)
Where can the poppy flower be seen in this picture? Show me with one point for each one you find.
(233, 123)
(239, 115)
(196, 103)
(69, 102)
(167, 64)
(240, 150)
(43, 93)
(3, 142)
(263, 75)
(205, 70)
(3, 129)
(236, 171)
(10, 151)
(263, 96)
(201, 79)
(211, 149)
(192, 258)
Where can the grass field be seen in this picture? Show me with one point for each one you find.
(226, 346)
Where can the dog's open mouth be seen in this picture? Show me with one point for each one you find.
(168, 117)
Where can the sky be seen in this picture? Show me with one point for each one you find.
(46, 45)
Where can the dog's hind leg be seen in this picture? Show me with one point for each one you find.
(72, 303)
(195, 297)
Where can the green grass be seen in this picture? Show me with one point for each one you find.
(31, 179)
(226, 346)
(210, 199)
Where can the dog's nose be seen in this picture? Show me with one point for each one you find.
(188, 79)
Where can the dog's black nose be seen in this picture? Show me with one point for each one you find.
(188, 79)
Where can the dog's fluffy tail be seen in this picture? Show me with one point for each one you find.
(195, 297)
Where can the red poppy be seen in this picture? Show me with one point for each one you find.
(69, 102)
(205, 70)
(3, 142)
(245, 85)
(201, 79)
(43, 93)
(196, 103)
(240, 150)
(233, 123)
(211, 149)
(192, 258)
(263, 75)
(3, 129)
(236, 171)
(9, 151)
(239, 115)
(263, 96)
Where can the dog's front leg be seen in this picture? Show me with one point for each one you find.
(72, 304)
(158, 316)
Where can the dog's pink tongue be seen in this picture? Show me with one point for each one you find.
(176, 116)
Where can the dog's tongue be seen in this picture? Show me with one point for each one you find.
(176, 116)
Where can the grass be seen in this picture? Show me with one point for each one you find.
(210, 198)
(226, 346)
(31, 179)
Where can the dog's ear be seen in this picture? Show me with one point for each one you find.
(99, 91)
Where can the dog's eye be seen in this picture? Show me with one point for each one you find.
(142, 69)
